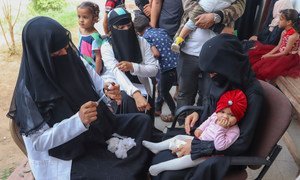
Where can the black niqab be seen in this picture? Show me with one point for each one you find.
(51, 89)
(223, 55)
(125, 43)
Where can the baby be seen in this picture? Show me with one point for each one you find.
(221, 127)
(208, 6)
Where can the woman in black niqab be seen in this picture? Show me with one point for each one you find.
(49, 92)
(223, 56)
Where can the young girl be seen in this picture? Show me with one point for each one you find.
(89, 38)
(221, 127)
(208, 6)
(269, 62)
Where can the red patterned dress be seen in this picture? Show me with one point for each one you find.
(271, 68)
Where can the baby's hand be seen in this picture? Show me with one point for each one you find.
(224, 123)
(197, 133)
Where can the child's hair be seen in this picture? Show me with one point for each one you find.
(140, 23)
(292, 15)
(92, 7)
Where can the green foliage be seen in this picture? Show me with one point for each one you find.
(66, 16)
(6, 173)
(46, 5)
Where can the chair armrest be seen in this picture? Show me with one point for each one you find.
(248, 160)
(184, 109)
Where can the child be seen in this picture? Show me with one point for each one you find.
(160, 43)
(89, 38)
(221, 127)
(270, 34)
(269, 62)
(208, 6)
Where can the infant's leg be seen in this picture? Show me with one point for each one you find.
(157, 147)
(174, 164)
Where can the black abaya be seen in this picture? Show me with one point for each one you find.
(99, 163)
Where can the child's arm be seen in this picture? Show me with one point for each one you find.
(275, 49)
(155, 52)
(98, 61)
(226, 137)
(204, 125)
(105, 23)
(291, 41)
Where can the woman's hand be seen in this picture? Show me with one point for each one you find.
(112, 90)
(185, 149)
(140, 101)
(125, 66)
(88, 112)
(205, 21)
(190, 121)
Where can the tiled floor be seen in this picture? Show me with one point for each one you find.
(284, 167)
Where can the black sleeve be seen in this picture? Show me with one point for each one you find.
(247, 126)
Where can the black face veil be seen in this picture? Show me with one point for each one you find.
(51, 89)
(44, 80)
(124, 42)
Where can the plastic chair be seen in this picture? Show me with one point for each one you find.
(264, 149)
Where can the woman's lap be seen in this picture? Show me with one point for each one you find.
(99, 163)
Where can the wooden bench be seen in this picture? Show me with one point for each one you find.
(291, 88)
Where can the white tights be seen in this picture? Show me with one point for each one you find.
(174, 164)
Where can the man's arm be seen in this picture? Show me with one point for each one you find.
(193, 9)
(233, 12)
(155, 12)
(226, 16)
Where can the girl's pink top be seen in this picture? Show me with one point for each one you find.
(222, 137)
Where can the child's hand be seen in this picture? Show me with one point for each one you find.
(223, 122)
(88, 112)
(197, 133)
(125, 66)
(185, 149)
(112, 90)
(253, 38)
(265, 56)
(147, 10)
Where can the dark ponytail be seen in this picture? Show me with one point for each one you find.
(292, 15)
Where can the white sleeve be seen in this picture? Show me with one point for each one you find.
(97, 80)
(149, 66)
(110, 64)
(62, 132)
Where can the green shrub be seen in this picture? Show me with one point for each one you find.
(46, 5)
(66, 16)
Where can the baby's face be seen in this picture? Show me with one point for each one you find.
(226, 114)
